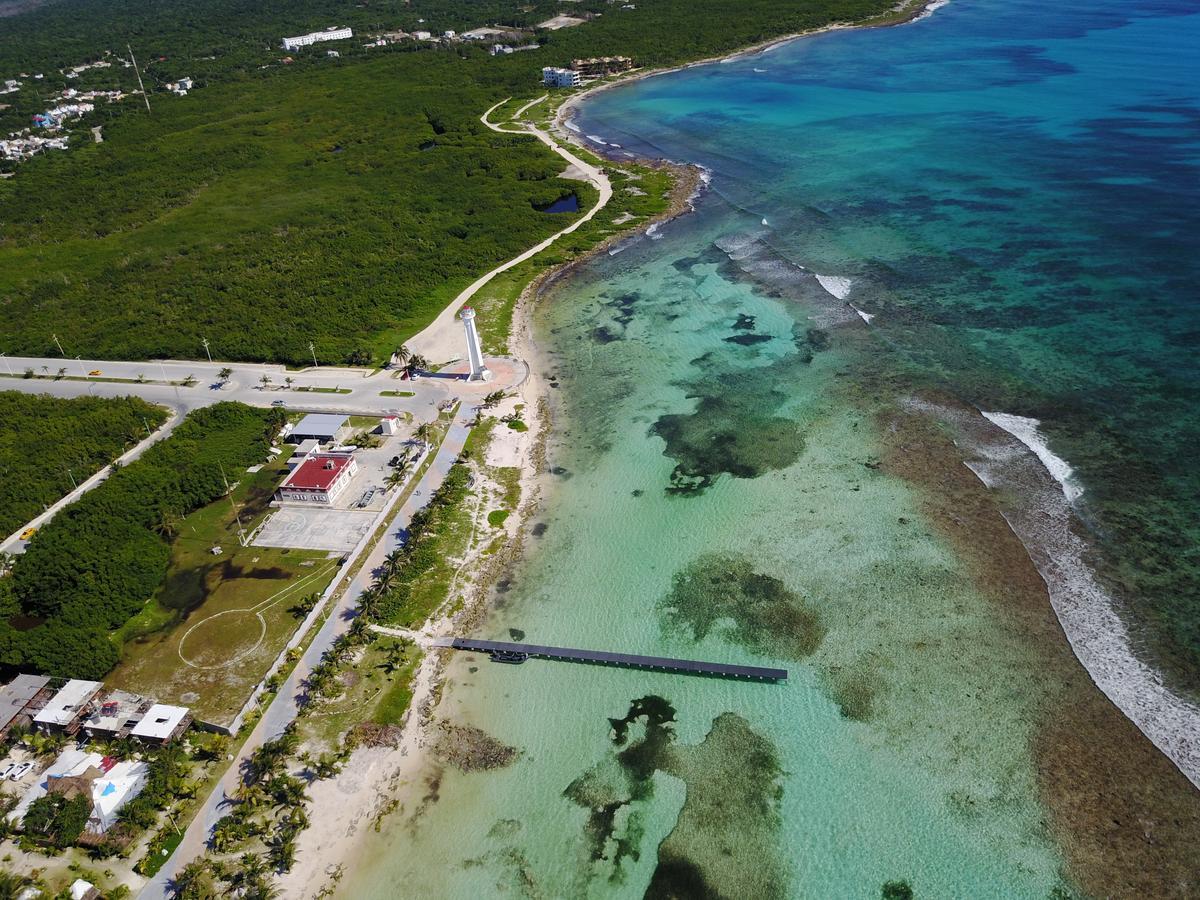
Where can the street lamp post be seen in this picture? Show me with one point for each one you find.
(204, 341)
(7, 364)
(61, 351)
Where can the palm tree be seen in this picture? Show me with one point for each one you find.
(395, 655)
(402, 355)
(192, 883)
(289, 381)
(62, 372)
(12, 885)
(424, 432)
(224, 375)
(264, 381)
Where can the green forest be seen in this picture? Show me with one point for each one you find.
(47, 445)
(98, 562)
(339, 200)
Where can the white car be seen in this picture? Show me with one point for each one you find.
(4, 773)
(19, 772)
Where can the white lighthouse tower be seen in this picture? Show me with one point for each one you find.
(479, 372)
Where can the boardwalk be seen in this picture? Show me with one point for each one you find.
(504, 651)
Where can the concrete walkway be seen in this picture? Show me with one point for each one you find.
(284, 708)
(442, 338)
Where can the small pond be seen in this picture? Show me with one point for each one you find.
(567, 204)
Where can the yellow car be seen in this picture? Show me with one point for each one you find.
(28, 533)
(95, 372)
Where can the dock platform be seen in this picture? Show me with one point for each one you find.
(505, 651)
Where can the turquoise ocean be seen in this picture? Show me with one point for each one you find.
(985, 218)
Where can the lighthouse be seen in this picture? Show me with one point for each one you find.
(479, 372)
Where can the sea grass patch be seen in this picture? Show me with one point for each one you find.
(725, 841)
(767, 617)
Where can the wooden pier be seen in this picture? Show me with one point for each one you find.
(504, 651)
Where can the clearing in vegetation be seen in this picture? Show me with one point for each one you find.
(219, 621)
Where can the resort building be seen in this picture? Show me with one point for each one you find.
(553, 76)
(320, 427)
(319, 479)
(21, 699)
(107, 783)
(115, 715)
(599, 66)
(67, 709)
(315, 37)
(162, 724)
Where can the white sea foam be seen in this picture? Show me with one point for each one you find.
(836, 285)
(866, 316)
(929, 10)
(571, 124)
(1044, 521)
(760, 71)
(652, 233)
(1025, 430)
(596, 139)
(765, 222)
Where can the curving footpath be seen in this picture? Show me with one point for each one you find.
(442, 338)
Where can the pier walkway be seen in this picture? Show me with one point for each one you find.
(504, 651)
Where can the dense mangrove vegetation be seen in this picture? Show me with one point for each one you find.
(47, 445)
(98, 562)
(343, 201)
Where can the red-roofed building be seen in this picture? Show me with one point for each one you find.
(319, 479)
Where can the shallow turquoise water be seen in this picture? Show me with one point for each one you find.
(1006, 187)
(1012, 188)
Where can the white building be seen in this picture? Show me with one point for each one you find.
(554, 76)
(162, 724)
(314, 37)
(319, 479)
(69, 707)
(422, 35)
(111, 784)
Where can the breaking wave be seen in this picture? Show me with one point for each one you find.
(1025, 430)
(1013, 456)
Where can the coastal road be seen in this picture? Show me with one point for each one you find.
(443, 333)
(284, 708)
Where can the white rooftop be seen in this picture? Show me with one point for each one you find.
(66, 704)
(160, 720)
(320, 423)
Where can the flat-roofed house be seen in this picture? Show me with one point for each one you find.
(115, 714)
(67, 709)
(324, 428)
(21, 699)
(162, 724)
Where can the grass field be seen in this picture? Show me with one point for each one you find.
(219, 621)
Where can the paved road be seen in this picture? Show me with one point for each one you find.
(245, 385)
(284, 708)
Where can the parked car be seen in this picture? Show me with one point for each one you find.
(28, 533)
(95, 372)
(277, 403)
(19, 772)
(394, 461)
(7, 770)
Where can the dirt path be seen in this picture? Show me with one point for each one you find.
(442, 339)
